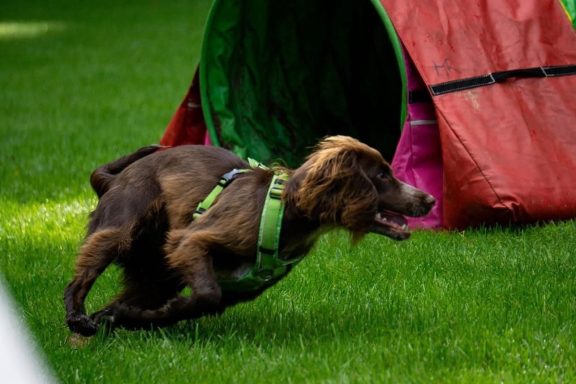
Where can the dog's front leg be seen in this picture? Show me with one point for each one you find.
(192, 261)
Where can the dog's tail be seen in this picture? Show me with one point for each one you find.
(103, 175)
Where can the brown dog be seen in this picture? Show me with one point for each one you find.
(143, 222)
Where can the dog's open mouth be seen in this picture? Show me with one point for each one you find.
(391, 224)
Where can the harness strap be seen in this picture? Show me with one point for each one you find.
(268, 267)
(226, 179)
(269, 232)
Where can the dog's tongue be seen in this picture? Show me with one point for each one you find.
(391, 224)
(392, 219)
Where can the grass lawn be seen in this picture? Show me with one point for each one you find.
(84, 82)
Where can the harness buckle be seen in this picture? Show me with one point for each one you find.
(276, 193)
(228, 177)
(199, 211)
(277, 188)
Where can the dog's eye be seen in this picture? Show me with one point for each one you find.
(383, 176)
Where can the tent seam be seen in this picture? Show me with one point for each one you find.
(471, 157)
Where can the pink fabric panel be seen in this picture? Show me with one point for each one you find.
(418, 157)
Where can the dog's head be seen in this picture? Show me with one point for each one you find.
(347, 183)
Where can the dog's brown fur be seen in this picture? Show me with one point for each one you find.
(143, 222)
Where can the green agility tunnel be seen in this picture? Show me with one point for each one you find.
(470, 101)
(278, 75)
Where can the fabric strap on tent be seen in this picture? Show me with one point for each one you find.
(499, 77)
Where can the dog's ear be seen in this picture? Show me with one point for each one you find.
(334, 189)
(360, 200)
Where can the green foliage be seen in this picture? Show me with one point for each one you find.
(84, 83)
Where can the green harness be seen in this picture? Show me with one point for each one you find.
(269, 267)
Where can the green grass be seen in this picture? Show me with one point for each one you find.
(81, 83)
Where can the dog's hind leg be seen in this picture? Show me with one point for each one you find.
(192, 262)
(99, 250)
(141, 294)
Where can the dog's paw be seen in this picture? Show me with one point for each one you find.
(119, 315)
(106, 316)
(82, 325)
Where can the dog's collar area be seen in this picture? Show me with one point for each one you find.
(269, 267)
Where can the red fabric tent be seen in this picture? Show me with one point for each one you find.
(509, 149)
